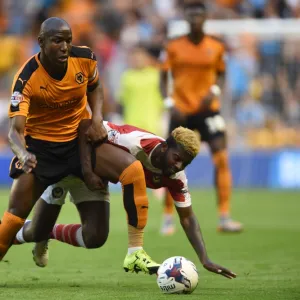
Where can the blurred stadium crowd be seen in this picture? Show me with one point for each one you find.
(261, 103)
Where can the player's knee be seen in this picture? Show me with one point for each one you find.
(220, 159)
(95, 238)
(133, 173)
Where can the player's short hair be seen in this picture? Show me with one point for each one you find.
(187, 139)
(194, 4)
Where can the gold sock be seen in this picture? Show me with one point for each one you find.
(135, 237)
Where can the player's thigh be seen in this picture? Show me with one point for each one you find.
(25, 191)
(43, 221)
(94, 217)
(47, 210)
(93, 206)
(56, 193)
(110, 161)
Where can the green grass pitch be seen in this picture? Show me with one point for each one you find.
(266, 256)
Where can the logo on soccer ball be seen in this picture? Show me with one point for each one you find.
(57, 192)
(79, 78)
(175, 271)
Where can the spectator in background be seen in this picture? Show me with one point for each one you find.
(139, 94)
(250, 113)
(241, 65)
(10, 55)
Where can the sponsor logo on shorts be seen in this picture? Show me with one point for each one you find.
(57, 192)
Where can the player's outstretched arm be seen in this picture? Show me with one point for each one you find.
(192, 230)
(18, 145)
(96, 131)
(92, 181)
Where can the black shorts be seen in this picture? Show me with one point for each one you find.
(209, 124)
(55, 160)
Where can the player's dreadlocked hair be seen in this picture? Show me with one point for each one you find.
(187, 139)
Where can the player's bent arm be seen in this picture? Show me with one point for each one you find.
(85, 148)
(96, 131)
(92, 181)
(16, 135)
(95, 97)
(191, 226)
(18, 144)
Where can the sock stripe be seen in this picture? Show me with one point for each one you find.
(67, 234)
(73, 232)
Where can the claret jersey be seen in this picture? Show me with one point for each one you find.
(141, 144)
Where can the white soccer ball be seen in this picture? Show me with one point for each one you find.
(177, 275)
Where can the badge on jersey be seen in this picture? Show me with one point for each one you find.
(15, 100)
(113, 136)
(79, 78)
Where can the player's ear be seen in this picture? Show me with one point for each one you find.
(164, 146)
(41, 41)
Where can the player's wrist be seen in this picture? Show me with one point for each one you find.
(204, 260)
(22, 153)
(97, 118)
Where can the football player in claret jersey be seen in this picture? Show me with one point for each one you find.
(49, 99)
(196, 63)
(162, 162)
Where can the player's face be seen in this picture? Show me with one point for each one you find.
(195, 17)
(175, 160)
(58, 45)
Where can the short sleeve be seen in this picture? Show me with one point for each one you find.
(93, 75)
(178, 188)
(20, 98)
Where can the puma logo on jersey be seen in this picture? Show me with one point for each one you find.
(22, 81)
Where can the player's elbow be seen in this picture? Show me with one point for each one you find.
(83, 125)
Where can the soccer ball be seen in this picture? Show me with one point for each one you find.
(177, 275)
